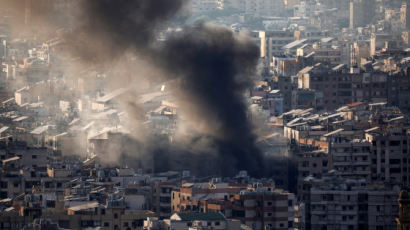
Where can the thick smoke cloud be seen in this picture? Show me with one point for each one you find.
(105, 29)
(212, 66)
(215, 69)
(130, 22)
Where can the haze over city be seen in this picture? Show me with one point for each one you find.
(205, 114)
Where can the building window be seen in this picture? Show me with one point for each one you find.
(34, 156)
(50, 203)
(106, 224)
(290, 224)
(115, 215)
(217, 223)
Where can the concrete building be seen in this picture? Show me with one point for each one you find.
(359, 141)
(378, 42)
(405, 15)
(305, 99)
(284, 65)
(259, 206)
(188, 197)
(360, 51)
(275, 103)
(285, 85)
(350, 204)
(342, 87)
(311, 163)
(271, 102)
(201, 6)
(274, 41)
(361, 13)
(389, 148)
(351, 158)
(161, 197)
(83, 216)
(323, 52)
(292, 48)
(264, 8)
(22, 96)
(193, 221)
(260, 210)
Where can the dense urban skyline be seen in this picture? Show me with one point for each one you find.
(205, 114)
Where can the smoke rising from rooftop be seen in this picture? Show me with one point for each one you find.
(212, 66)
(215, 69)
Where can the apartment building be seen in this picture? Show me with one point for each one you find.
(197, 221)
(275, 40)
(189, 196)
(335, 203)
(305, 99)
(378, 42)
(361, 13)
(89, 215)
(265, 8)
(259, 206)
(161, 197)
(324, 51)
(390, 151)
(358, 141)
(351, 157)
(285, 85)
(19, 176)
(340, 87)
(311, 163)
(200, 6)
(405, 15)
(261, 209)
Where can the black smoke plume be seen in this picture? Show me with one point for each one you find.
(105, 29)
(213, 67)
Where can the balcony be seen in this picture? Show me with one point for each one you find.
(342, 163)
(360, 153)
(368, 162)
(341, 154)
